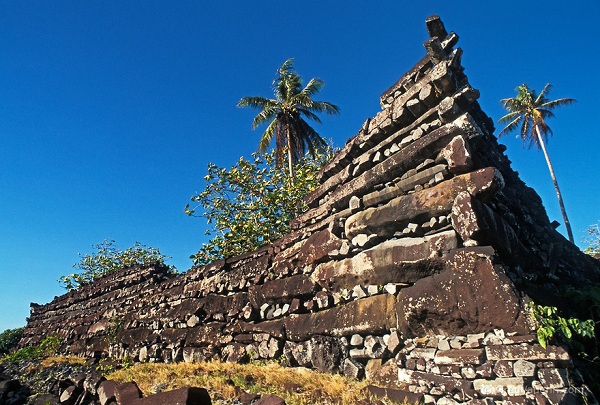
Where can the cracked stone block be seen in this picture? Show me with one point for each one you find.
(552, 378)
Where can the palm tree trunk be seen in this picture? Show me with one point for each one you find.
(558, 193)
(290, 163)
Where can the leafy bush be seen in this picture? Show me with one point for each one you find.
(550, 325)
(48, 347)
(252, 204)
(9, 339)
(108, 259)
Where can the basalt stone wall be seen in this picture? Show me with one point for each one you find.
(419, 228)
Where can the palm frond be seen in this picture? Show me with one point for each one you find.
(511, 104)
(267, 137)
(545, 113)
(325, 107)
(254, 102)
(266, 114)
(512, 125)
(309, 114)
(509, 117)
(558, 103)
(543, 94)
(286, 67)
(313, 87)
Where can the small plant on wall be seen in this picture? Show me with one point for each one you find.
(107, 259)
(550, 325)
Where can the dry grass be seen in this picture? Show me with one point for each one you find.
(298, 386)
(52, 361)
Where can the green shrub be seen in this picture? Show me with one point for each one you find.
(47, 347)
(108, 259)
(9, 339)
(251, 204)
(551, 325)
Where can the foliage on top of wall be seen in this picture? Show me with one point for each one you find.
(251, 204)
(107, 259)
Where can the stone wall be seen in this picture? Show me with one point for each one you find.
(419, 228)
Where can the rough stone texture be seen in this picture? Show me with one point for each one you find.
(445, 303)
(403, 260)
(419, 227)
(435, 201)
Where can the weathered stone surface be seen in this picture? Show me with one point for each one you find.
(474, 295)
(524, 368)
(352, 368)
(181, 396)
(553, 377)
(526, 352)
(460, 357)
(402, 186)
(106, 392)
(326, 353)
(501, 387)
(403, 260)
(368, 315)
(475, 222)
(127, 393)
(196, 354)
(434, 201)
(281, 290)
(269, 400)
(206, 334)
(435, 26)
(503, 368)
(317, 247)
(274, 328)
(392, 167)
(450, 384)
(399, 396)
(69, 395)
(458, 155)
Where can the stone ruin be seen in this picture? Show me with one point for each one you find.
(413, 267)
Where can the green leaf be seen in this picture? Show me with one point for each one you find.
(541, 338)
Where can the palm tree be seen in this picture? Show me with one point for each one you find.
(529, 111)
(285, 116)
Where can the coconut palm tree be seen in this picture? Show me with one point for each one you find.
(285, 114)
(529, 112)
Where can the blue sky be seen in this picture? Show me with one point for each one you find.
(111, 111)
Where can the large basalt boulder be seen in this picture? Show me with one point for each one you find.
(368, 315)
(472, 295)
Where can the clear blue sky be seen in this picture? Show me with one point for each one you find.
(110, 111)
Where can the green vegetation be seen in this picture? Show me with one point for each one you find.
(252, 204)
(284, 115)
(108, 259)
(593, 240)
(549, 324)
(47, 347)
(530, 111)
(9, 339)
